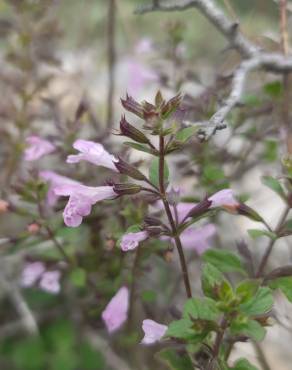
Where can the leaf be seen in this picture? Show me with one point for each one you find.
(186, 133)
(154, 172)
(247, 289)
(181, 329)
(243, 364)
(271, 150)
(176, 361)
(78, 277)
(286, 229)
(261, 303)
(224, 260)
(285, 285)
(201, 308)
(274, 89)
(149, 296)
(251, 329)
(141, 147)
(274, 185)
(90, 358)
(257, 233)
(214, 284)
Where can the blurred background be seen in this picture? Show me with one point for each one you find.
(65, 64)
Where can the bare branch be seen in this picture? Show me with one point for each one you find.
(215, 15)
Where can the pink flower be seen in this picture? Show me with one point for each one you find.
(31, 273)
(94, 153)
(224, 198)
(81, 199)
(131, 241)
(153, 331)
(50, 282)
(37, 148)
(145, 45)
(116, 312)
(198, 238)
(54, 181)
(139, 76)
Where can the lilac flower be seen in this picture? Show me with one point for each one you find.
(153, 331)
(31, 273)
(54, 181)
(50, 282)
(94, 153)
(139, 75)
(37, 148)
(224, 198)
(116, 312)
(198, 238)
(145, 45)
(81, 199)
(131, 241)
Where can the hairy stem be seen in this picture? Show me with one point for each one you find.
(271, 244)
(171, 220)
(111, 50)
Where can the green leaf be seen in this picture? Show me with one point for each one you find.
(154, 172)
(271, 150)
(285, 285)
(29, 354)
(201, 308)
(286, 229)
(257, 233)
(224, 260)
(90, 358)
(141, 147)
(176, 361)
(186, 133)
(214, 284)
(274, 89)
(78, 277)
(274, 185)
(261, 303)
(251, 328)
(247, 289)
(243, 364)
(181, 329)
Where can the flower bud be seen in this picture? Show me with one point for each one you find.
(133, 106)
(245, 210)
(131, 132)
(33, 228)
(171, 106)
(152, 221)
(126, 189)
(4, 206)
(199, 209)
(126, 169)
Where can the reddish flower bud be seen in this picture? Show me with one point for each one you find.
(33, 228)
(131, 132)
(4, 206)
(126, 169)
(133, 106)
(199, 209)
(126, 189)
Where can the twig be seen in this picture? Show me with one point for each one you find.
(111, 31)
(171, 220)
(272, 243)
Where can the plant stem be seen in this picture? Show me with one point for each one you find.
(272, 243)
(171, 219)
(218, 342)
(111, 31)
(135, 270)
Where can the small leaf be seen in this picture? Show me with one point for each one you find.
(176, 361)
(154, 172)
(243, 364)
(274, 89)
(247, 289)
(201, 308)
(274, 185)
(78, 277)
(214, 284)
(186, 133)
(257, 233)
(181, 329)
(261, 303)
(141, 147)
(224, 260)
(285, 285)
(149, 296)
(251, 329)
